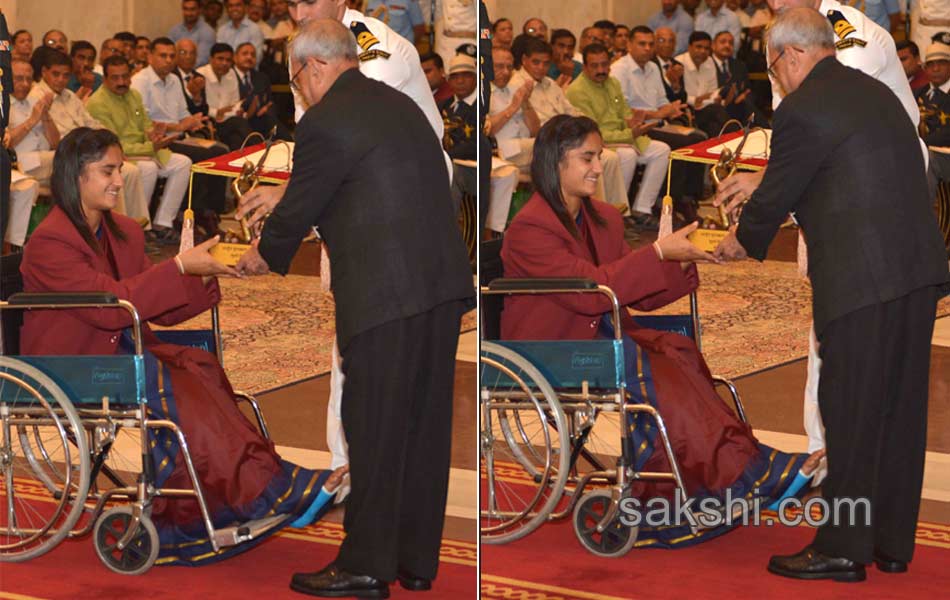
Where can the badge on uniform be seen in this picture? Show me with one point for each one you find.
(366, 40)
(843, 28)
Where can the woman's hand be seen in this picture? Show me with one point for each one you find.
(676, 247)
(198, 261)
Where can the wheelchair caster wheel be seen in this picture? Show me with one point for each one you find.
(139, 555)
(615, 541)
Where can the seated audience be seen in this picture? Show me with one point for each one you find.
(279, 20)
(127, 39)
(194, 28)
(589, 35)
(256, 99)
(564, 232)
(503, 32)
(564, 69)
(535, 27)
(934, 99)
(110, 47)
(56, 40)
(702, 89)
(21, 45)
(909, 54)
(83, 81)
(434, 68)
(718, 18)
(671, 70)
(621, 37)
(598, 95)
(31, 133)
(239, 29)
(643, 89)
(83, 246)
(675, 17)
(140, 54)
(460, 111)
(192, 82)
(165, 102)
(120, 110)
(224, 97)
(212, 11)
(732, 75)
(608, 31)
(548, 100)
(68, 112)
(754, 18)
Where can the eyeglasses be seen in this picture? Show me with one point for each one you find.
(771, 68)
(293, 80)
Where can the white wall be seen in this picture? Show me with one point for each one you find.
(92, 20)
(572, 14)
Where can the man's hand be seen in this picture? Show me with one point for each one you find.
(156, 133)
(41, 108)
(729, 248)
(675, 75)
(259, 202)
(522, 93)
(252, 263)
(736, 189)
(198, 261)
(676, 247)
(741, 97)
(730, 95)
(563, 80)
(701, 99)
(673, 110)
(196, 86)
(263, 110)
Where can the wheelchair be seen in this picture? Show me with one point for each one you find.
(553, 419)
(75, 441)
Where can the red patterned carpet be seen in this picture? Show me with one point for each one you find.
(277, 330)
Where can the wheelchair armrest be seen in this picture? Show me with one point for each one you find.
(66, 298)
(541, 283)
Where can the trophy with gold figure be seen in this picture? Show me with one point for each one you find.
(238, 240)
(711, 230)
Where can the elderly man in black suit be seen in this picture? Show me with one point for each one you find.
(853, 174)
(369, 172)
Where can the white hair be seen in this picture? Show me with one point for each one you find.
(325, 39)
(803, 28)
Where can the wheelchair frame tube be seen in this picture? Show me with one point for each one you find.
(601, 289)
(136, 320)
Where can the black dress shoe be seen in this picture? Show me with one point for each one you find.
(811, 564)
(412, 583)
(334, 582)
(887, 564)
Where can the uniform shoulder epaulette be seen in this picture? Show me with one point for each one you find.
(367, 42)
(843, 28)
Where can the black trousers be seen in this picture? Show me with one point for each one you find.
(873, 400)
(208, 190)
(397, 416)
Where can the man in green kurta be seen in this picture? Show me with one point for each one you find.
(599, 96)
(120, 109)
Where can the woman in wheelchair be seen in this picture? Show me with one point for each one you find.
(82, 246)
(563, 232)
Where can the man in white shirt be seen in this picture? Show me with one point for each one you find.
(514, 122)
(224, 98)
(643, 89)
(239, 28)
(165, 102)
(702, 85)
(68, 112)
(718, 18)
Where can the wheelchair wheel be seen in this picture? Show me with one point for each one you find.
(140, 553)
(615, 541)
(44, 462)
(524, 446)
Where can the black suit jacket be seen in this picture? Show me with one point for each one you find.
(738, 74)
(260, 87)
(464, 137)
(853, 173)
(193, 107)
(670, 94)
(370, 173)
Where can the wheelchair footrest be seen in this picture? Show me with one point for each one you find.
(234, 535)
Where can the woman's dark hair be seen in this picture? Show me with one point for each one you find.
(558, 136)
(76, 150)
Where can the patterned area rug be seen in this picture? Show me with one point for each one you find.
(277, 330)
(754, 315)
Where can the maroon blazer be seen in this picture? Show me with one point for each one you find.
(57, 259)
(537, 245)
